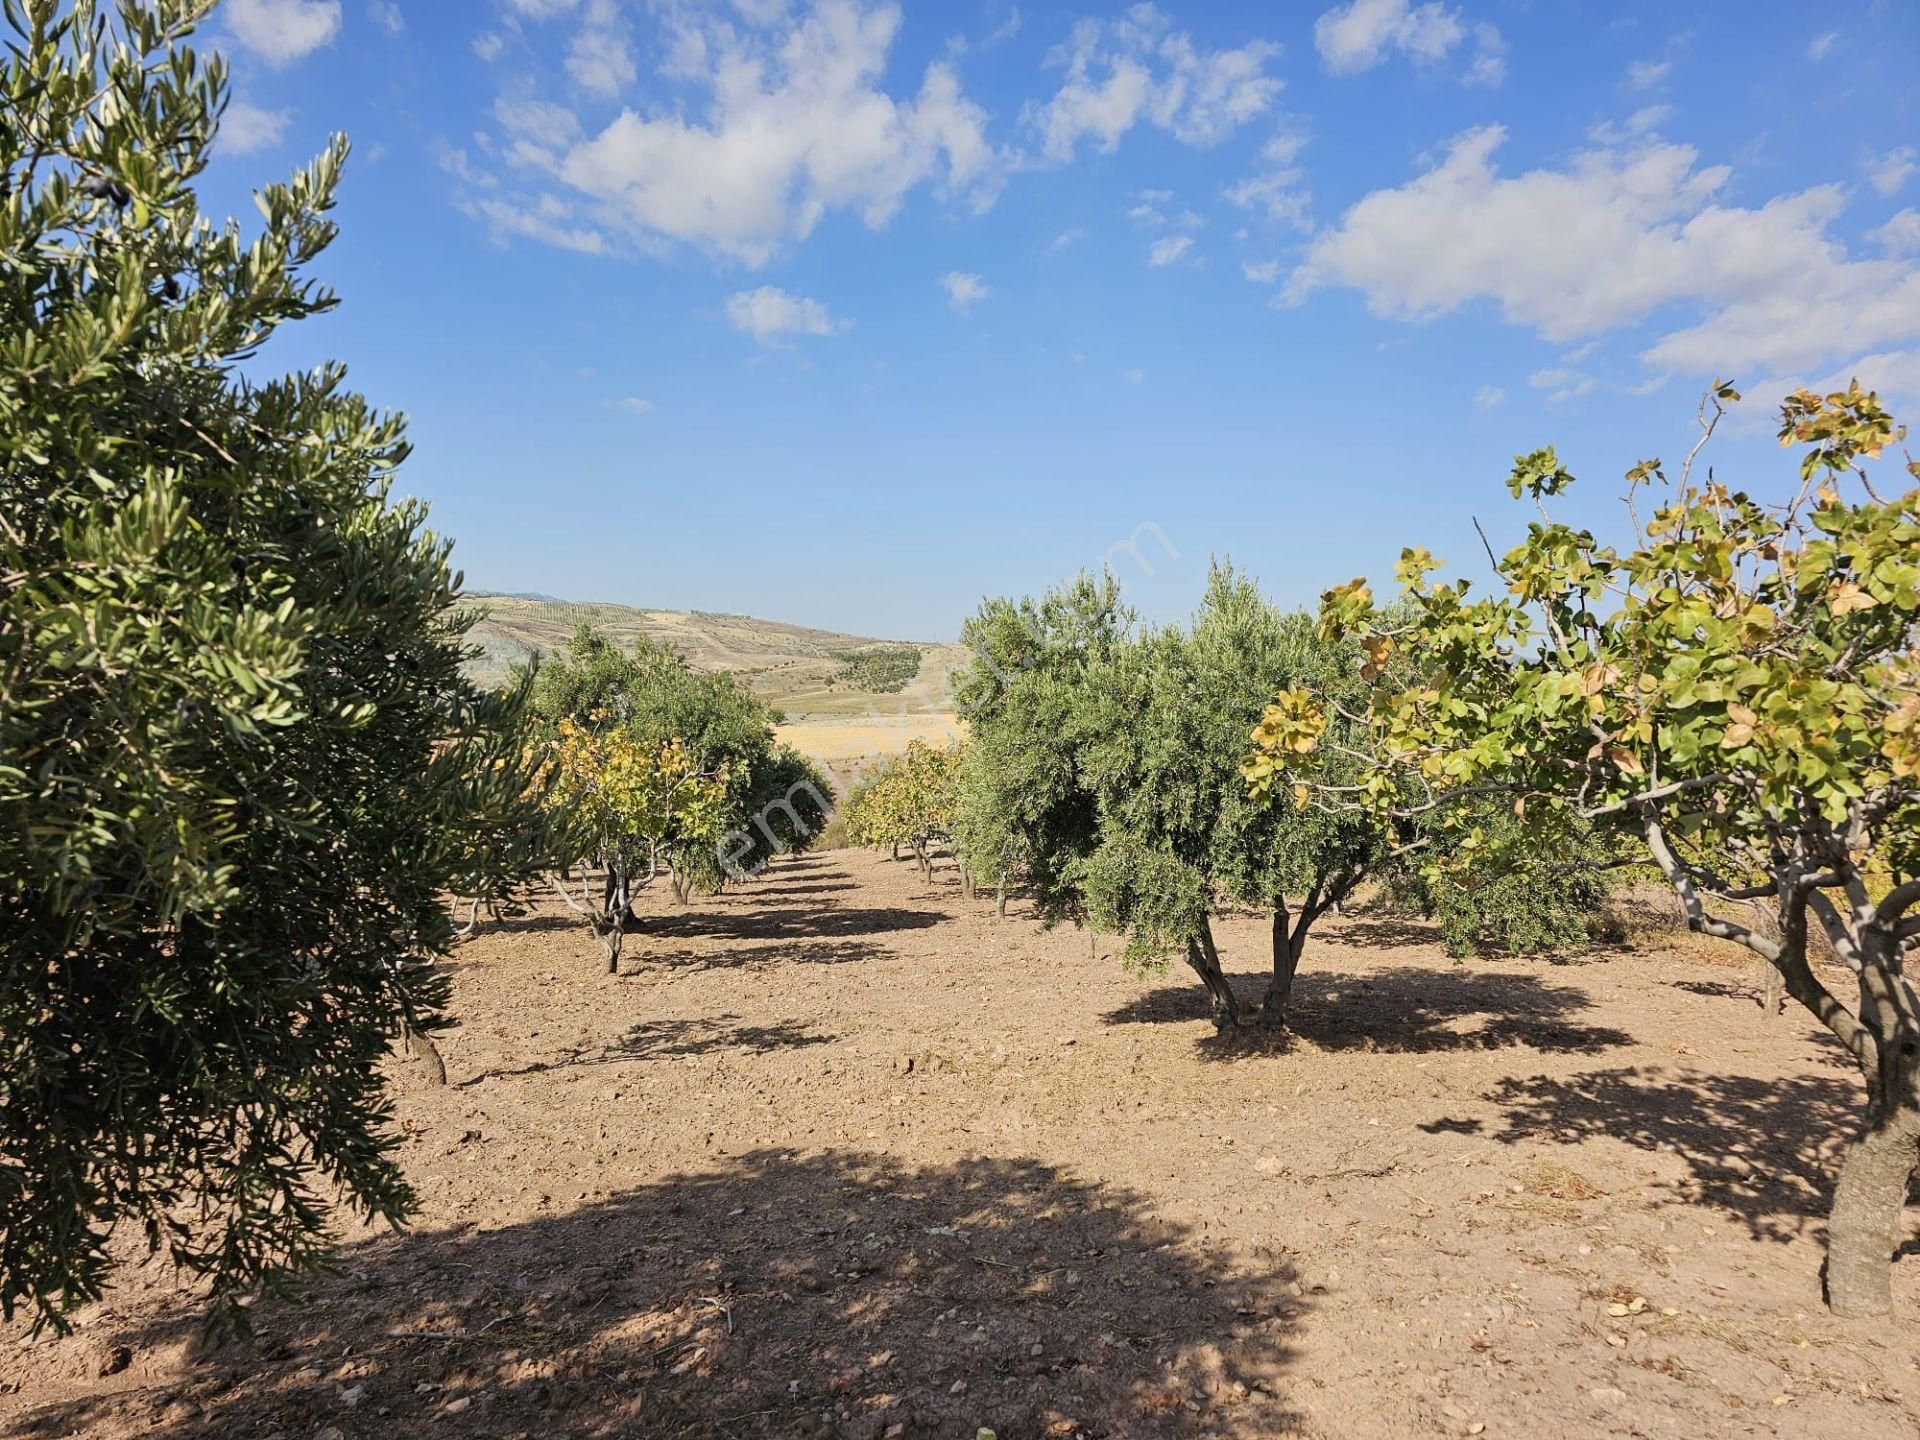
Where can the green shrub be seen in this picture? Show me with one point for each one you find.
(1500, 883)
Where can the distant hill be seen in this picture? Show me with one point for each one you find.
(791, 666)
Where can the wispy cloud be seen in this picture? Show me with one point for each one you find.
(1165, 252)
(1889, 172)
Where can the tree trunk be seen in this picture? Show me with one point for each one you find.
(1205, 960)
(1773, 993)
(1286, 964)
(473, 921)
(1002, 900)
(1863, 1227)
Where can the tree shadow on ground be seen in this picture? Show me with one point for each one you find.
(800, 922)
(1373, 931)
(1765, 1150)
(645, 957)
(1409, 1010)
(1719, 989)
(829, 888)
(838, 1295)
(672, 1039)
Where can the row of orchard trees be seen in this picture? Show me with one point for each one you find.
(1733, 696)
(1103, 774)
(1733, 699)
(651, 769)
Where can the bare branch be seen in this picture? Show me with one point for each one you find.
(1899, 900)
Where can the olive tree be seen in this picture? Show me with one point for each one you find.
(1528, 884)
(1178, 837)
(1737, 691)
(240, 766)
(1025, 813)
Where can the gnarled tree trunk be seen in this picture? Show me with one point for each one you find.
(1205, 960)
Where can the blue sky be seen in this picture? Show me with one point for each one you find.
(849, 313)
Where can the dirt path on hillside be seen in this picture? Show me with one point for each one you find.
(844, 1154)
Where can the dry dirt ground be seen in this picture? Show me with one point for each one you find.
(845, 1154)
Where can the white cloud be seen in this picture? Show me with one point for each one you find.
(281, 31)
(1645, 74)
(1358, 35)
(549, 219)
(247, 128)
(1888, 173)
(1895, 374)
(1165, 252)
(1138, 68)
(964, 291)
(1488, 396)
(772, 316)
(1135, 377)
(1263, 272)
(1565, 384)
(488, 46)
(1489, 57)
(1066, 238)
(1276, 190)
(1900, 235)
(633, 405)
(795, 127)
(387, 16)
(600, 59)
(1608, 240)
(1822, 45)
(548, 127)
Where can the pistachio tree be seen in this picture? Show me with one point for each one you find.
(240, 765)
(909, 801)
(772, 800)
(626, 800)
(1736, 691)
